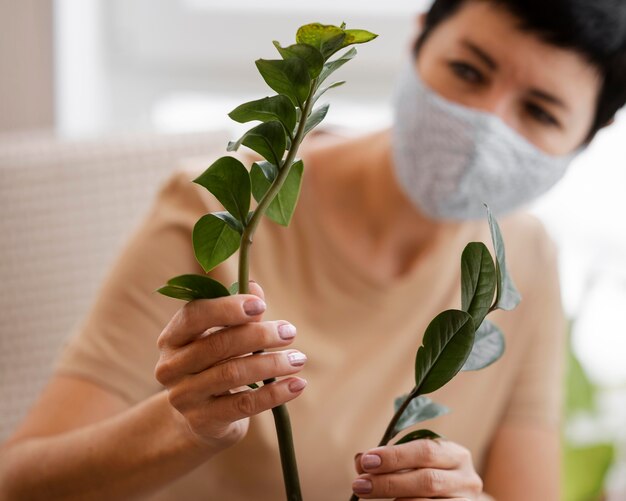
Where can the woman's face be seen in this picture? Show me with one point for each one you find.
(479, 58)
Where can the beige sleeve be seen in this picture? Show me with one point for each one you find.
(537, 395)
(115, 344)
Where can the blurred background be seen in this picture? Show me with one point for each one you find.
(100, 100)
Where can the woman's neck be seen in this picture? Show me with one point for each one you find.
(355, 179)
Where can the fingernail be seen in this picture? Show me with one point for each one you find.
(297, 385)
(286, 331)
(296, 358)
(371, 461)
(254, 307)
(362, 486)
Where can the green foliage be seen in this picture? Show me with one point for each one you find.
(447, 343)
(229, 181)
(310, 55)
(507, 296)
(283, 205)
(488, 347)
(478, 282)
(190, 287)
(266, 110)
(585, 469)
(214, 241)
(418, 435)
(267, 139)
(420, 409)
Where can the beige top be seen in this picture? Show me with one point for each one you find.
(360, 339)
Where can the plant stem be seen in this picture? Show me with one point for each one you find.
(388, 435)
(281, 416)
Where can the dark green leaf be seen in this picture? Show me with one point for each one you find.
(333, 44)
(478, 281)
(418, 435)
(507, 296)
(234, 288)
(310, 55)
(289, 77)
(230, 220)
(281, 208)
(269, 170)
(447, 343)
(335, 64)
(419, 409)
(315, 118)
(229, 181)
(267, 109)
(214, 241)
(488, 347)
(319, 93)
(267, 139)
(190, 287)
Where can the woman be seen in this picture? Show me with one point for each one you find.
(143, 400)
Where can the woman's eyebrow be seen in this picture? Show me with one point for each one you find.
(486, 58)
(550, 98)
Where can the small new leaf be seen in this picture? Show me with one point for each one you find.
(289, 77)
(281, 208)
(418, 435)
(320, 92)
(335, 64)
(507, 296)
(267, 109)
(267, 139)
(447, 343)
(478, 281)
(488, 347)
(191, 287)
(315, 118)
(214, 241)
(419, 409)
(229, 181)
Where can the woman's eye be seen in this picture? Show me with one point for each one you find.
(541, 115)
(466, 72)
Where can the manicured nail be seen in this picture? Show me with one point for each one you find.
(371, 461)
(286, 331)
(362, 486)
(254, 307)
(297, 385)
(297, 359)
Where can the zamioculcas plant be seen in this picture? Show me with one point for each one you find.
(286, 118)
(457, 340)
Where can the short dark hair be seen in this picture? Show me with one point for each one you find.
(595, 29)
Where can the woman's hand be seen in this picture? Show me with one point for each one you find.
(418, 471)
(207, 359)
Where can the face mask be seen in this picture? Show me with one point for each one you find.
(450, 159)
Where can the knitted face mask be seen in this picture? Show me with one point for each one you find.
(450, 159)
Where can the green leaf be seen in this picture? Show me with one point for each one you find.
(418, 435)
(478, 281)
(190, 287)
(507, 296)
(310, 55)
(234, 288)
(229, 181)
(326, 38)
(270, 171)
(230, 220)
(315, 118)
(585, 470)
(358, 36)
(280, 210)
(214, 241)
(289, 77)
(267, 109)
(335, 64)
(419, 409)
(267, 139)
(319, 93)
(447, 343)
(488, 347)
